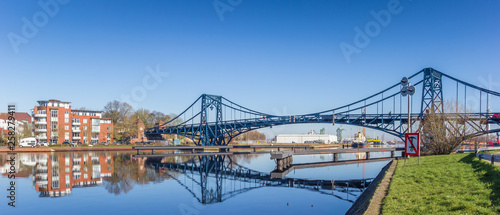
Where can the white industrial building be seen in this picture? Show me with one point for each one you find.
(306, 138)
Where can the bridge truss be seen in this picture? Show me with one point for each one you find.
(215, 120)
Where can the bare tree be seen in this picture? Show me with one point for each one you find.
(120, 113)
(444, 133)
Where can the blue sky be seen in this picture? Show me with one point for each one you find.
(271, 56)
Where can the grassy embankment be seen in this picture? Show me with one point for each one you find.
(444, 184)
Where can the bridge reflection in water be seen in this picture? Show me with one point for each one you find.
(216, 178)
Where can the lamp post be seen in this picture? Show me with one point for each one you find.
(408, 90)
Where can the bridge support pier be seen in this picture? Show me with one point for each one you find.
(367, 155)
(284, 163)
(335, 157)
(392, 154)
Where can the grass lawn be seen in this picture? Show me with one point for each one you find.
(444, 184)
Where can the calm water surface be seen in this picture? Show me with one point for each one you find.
(119, 182)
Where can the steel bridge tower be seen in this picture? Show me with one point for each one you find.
(432, 93)
(211, 135)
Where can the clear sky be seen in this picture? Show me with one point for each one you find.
(279, 57)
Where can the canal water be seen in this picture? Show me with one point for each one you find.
(121, 182)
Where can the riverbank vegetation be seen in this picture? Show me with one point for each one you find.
(444, 184)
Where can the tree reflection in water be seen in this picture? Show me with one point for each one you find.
(129, 171)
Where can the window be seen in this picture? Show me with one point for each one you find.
(76, 134)
(66, 120)
(66, 112)
(76, 120)
(66, 136)
(96, 126)
(55, 184)
(54, 126)
(84, 120)
(53, 113)
(84, 127)
(109, 128)
(67, 170)
(66, 127)
(85, 176)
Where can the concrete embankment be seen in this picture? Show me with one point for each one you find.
(370, 201)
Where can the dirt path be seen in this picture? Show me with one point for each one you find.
(375, 206)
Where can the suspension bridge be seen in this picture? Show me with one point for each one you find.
(213, 120)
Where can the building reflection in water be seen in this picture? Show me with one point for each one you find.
(56, 175)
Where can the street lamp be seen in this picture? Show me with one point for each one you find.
(408, 90)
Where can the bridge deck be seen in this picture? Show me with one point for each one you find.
(224, 148)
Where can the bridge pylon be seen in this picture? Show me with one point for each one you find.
(432, 93)
(211, 135)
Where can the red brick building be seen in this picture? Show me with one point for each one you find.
(55, 122)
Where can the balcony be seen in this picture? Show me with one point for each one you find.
(76, 123)
(41, 115)
(76, 138)
(40, 122)
(41, 137)
(40, 130)
(76, 130)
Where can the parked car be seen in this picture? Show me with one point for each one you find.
(43, 143)
(104, 143)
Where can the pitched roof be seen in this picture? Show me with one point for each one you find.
(21, 116)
